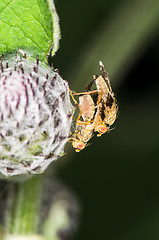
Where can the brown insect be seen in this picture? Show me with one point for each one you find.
(107, 107)
(82, 135)
(98, 110)
(99, 123)
(84, 127)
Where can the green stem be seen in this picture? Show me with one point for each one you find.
(23, 207)
(118, 41)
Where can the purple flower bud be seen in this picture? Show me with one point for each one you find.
(35, 116)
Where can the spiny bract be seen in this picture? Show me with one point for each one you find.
(35, 116)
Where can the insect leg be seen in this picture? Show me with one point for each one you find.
(86, 93)
(73, 98)
(88, 88)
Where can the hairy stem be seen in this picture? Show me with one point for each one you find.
(23, 207)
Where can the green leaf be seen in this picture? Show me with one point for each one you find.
(30, 25)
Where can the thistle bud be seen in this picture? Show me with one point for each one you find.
(35, 116)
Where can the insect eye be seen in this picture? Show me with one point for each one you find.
(102, 129)
(80, 146)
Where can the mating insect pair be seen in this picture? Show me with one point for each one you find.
(98, 110)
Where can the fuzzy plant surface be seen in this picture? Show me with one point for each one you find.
(35, 108)
(35, 116)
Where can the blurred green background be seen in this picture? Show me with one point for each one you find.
(116, 178)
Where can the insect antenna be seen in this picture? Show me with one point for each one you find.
(110, 129)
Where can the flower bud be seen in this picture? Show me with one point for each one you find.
(35, 116)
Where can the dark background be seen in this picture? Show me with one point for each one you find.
(116, 178)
